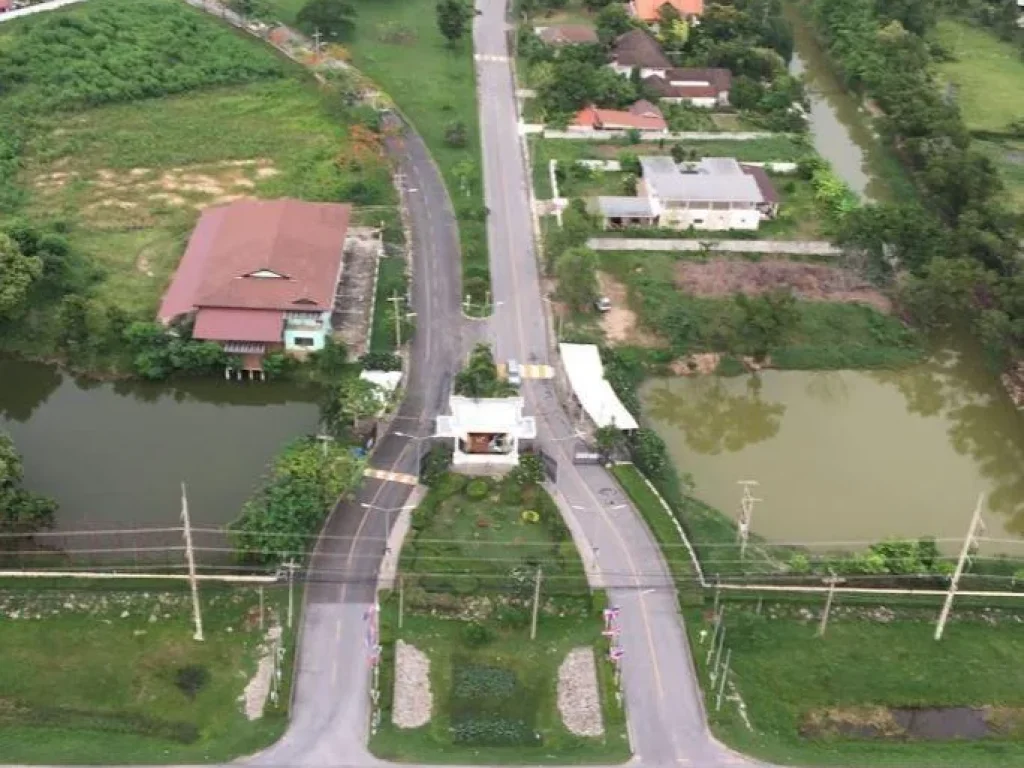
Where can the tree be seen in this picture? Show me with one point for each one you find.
(766, 321)
(348, 401)
(596, 5)
(609, 439)
(73, 323)
(18, 273)
(576, 270)
(453, 17)
(612, 21)
(334, 19)
(250, 8)
(20, 511)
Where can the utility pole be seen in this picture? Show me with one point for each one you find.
(324, 439)
(725, 675)
(316, 44)
(186, 521)
(970, 541)
(291, 566)
(718, 656)
(832, 580)
(714, 637)
(746, 514)
(261, 609)
(536, 605)
(396, 302)
(401, 600)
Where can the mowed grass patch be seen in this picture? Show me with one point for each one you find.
(988, 74)
(1008, 155)
(132, 179)
(496, 702)
(398, 45)
(785, 673)
(99, 677)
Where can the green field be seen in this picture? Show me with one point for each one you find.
(397, 44)
(789, 680)
(828, 335)
(92, 677)
(122, 165)
(987, 74)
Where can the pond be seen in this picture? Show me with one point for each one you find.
(852, 456)
(113, 454)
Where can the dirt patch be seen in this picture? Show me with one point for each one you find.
(701, 363)
(619, 323)
(912, 724)
(811, 282)
(1013, 382)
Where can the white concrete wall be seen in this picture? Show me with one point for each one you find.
(710, 219)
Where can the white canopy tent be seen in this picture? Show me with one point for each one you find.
(586, 377)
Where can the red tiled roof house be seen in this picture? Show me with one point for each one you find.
(261, 275)
(650, 10)
(642, 116)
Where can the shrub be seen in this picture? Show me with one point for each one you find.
(455, 134)
(380, 361)
(482, 681)
(191, 679)
(435, 465)
(477, 489)
(530, 471)
(475, 634)
(730, 366)
(530, 516)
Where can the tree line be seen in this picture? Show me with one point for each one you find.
(957, 247)
(21, 511)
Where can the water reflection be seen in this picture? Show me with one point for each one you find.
(22, 392)
(713, 418)
(853, 455)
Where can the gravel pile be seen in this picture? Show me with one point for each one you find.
(579, 701)
(413, 699)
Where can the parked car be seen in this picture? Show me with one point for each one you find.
(515, 374)
(603, 304)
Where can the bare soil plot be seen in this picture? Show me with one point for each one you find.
(620, 323)
(811, 282)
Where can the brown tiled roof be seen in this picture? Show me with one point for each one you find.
(718, 81)
(764, 182)
(638, 48)
(647, 10)
(568, 34)
(298, 245)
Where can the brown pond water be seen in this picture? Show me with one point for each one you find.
(114, 454)
(852, 456)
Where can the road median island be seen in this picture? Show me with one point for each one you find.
(465, 592)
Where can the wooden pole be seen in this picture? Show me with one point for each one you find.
(290, 565)
(831, 581)
(725, 674)
(536, 605)
(261, 609)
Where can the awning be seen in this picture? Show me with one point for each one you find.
(583, 366)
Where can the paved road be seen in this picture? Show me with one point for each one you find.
(665, 708)
(331, 707)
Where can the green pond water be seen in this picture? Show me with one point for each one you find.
(852, 456)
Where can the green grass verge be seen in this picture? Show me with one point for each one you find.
(392, 280)
(526, 715)
(827, 336)
(397, 44)
(92, 680)
(987, 73)
(784, 673)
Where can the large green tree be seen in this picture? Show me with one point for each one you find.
(18, 273)
(453, 18)
(348, 401)
(334, 19)
(766, 321)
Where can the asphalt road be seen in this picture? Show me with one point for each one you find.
(331, 704)
(664, 705)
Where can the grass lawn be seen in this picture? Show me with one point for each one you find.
(1008, 155)
(828, 335)
(95, 679)
(566, 151)
(987, 73)
(468, 569)
(527, 715)
(471, 535)
(785, 675)
(398, 45)
(392, 280)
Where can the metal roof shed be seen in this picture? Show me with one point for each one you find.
(586, 377)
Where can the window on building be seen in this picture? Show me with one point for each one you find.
(303, 341)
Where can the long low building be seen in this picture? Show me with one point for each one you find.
(585, 371)
(261, 275)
